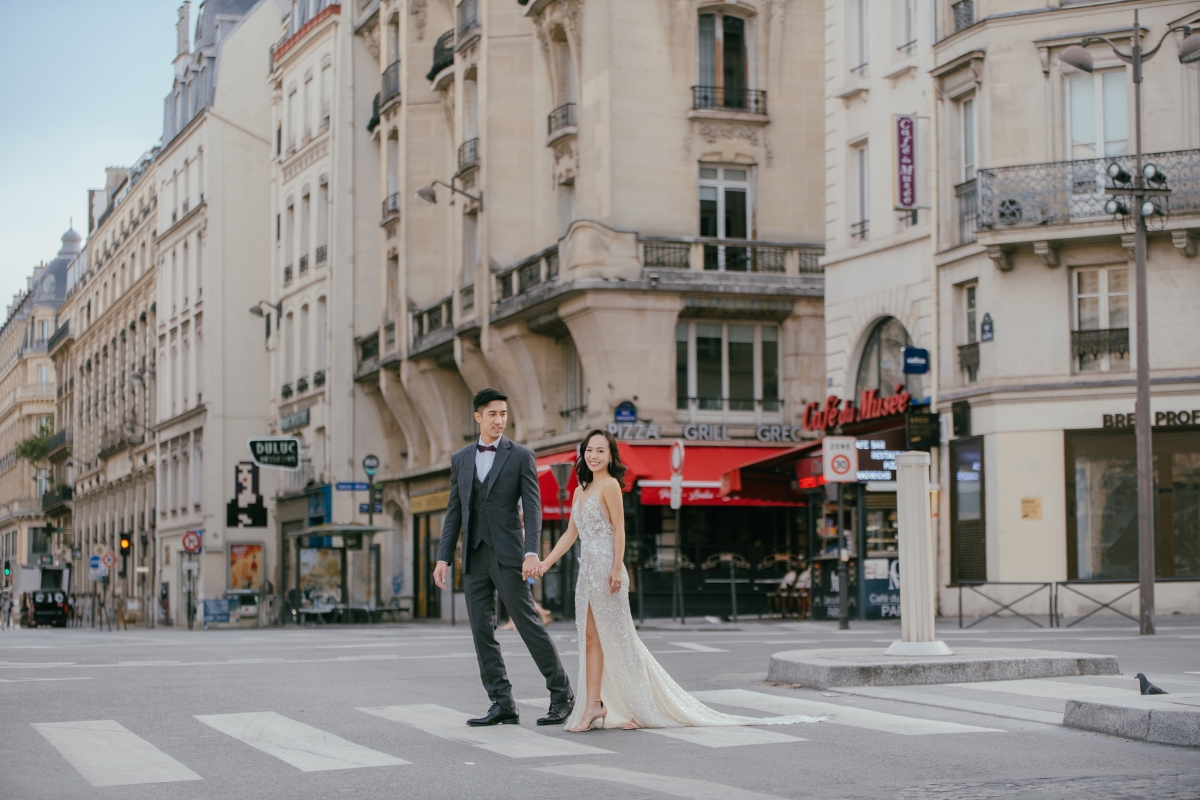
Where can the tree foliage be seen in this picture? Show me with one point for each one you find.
(34, 448)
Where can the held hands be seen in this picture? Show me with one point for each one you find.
(614, 580)
(531, 568)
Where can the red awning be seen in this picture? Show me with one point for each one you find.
(767, 480)
(703, 466)
(549, 486)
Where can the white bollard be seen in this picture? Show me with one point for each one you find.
(918, 576)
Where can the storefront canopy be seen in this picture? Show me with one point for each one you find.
(772, 479)
(337, 529)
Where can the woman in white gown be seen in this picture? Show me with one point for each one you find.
(626, 686)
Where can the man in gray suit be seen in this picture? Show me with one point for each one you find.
(487, 479)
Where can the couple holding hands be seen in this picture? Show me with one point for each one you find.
(626, 686)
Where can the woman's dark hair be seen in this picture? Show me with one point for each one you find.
(615, 467)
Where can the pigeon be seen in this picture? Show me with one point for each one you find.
(1147, 686)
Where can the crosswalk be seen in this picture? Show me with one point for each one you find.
(92, 747)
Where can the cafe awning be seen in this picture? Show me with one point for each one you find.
(768, 480)
(339, 529)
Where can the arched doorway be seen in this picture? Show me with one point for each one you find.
(881, 366)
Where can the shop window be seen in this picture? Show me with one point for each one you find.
(727, 367)
(1102, 526)
(1100, 342)
(882, 364)
(967, 527)
(725, 214)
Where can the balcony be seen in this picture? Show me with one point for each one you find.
(368, 347)
(432, 325)
(303, 263)
(467, 299)
(1093, 345)
(468, 21)
(23, 507)
(968, 358)
(1063, 192)
(860, 231)
(964, 14)
(286, 391)
(443, 54)
(56, 499)
(389, 337)
(113, 442)
(302, 385)
(319, 378)
(287, 275)
(59, 336)
(561, 117)
(59, 442)
(391, 206)
(527, 276)
(718, 98)
(390, 89)
(968, 212)
(468, 155)
(322, 253)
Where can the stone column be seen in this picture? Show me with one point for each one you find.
(918, 582)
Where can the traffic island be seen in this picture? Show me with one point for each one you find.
(1164, 718)
(821, 669)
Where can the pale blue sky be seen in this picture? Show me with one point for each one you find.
(82, 84)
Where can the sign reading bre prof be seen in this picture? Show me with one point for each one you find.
(840, 459)
(278, 452)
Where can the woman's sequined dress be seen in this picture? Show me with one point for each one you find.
(635, 686)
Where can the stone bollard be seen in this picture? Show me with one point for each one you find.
(918, 576)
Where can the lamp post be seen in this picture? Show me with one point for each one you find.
(1145, 184)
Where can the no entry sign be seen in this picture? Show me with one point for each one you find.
(191, 541)
(110, 560)
(840, 459)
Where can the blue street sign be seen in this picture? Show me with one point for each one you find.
(625, 412)
(916, 361)
(364, 508)
(353, 486)
(94, 562)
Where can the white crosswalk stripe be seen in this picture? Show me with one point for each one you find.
(945, 700)
(724, 737)
(304, 747)
(699, 648)
(836, 714)
(513, 741)
(1055, 690)
(107, 754)
(677, 787)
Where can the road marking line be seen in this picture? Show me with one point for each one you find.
(956, 703)
(724, 737)
(699, 648)
(838, 715)
(1056, 690)
(304, 747)
(677, 787)
(506, 740)
(26, 680)
(107, 754)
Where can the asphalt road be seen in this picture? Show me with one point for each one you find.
(375, 712)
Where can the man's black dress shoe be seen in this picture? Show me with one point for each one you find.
(558, 713)
(496, 715)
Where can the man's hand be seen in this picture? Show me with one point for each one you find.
(439, 574)
(531, 568)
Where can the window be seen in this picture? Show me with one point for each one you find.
(289, 352)
(566, 207)
(724, 214)
(727, 367)
(722, 63)
(326, 94)
(289, 235)
(43, 330)
(307, 110)
(322, 334)
(304, 341)
(967, 109)
(43, 373)
(860, 219)
(184, 484)
(972, 326)
(564, 69)
(470, 109)
(322, 218)
(907, 27)
(183, 280)
(881, 367)
(574, 397)
(1097, 122)
(470, 247)
(291, 120)
(305, 224)
(1101, 337)
(199, 262)
(858, 37)
(393, 164)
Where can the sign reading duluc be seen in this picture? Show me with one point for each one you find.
(906, 163)
(281, 452)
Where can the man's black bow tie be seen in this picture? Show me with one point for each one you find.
(481, 447)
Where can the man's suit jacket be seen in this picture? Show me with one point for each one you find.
(513, 477)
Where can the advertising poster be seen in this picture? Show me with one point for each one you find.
(245, 567)
(320, 578)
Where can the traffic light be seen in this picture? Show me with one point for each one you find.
(7, 569)
(125, 544)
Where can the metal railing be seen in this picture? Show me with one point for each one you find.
(63, 331)
(968, 211)
(527, 275)
(391, 206)
(302, 385)
(389, 337)
(731, 255)
(673, 255)
(287, 274)
(1094, 344)
(468, 154)
(1001, 605)
(1100, 604)
(304, 263)
(744, 258)
(561, 117)
(468, 19)
(322, 253)
(390, 88)
(1060, 192)
(860, 231)
(56, 496)
(430, 319)
(286, 391)
(751, 101)
(964, 14)
(443, 54)
(319, 377)
(968, 356)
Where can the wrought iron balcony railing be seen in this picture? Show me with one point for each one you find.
(860, 231)
(319, 377)
(751, 101)
(964, 14)
(744, 258)
(287, 274)
(322, 253)
(303, 263)
(561, 117)
(731, 255)
(390, 89)
(968, 359)
(968, 211)
(302, 385)
(468, 154)
(57, 441)
(1061, 192)
(64, 330)
(468, 19)
(286, 391)
(1094, 344)
(443, 54)
(391, 205)
(56, 497)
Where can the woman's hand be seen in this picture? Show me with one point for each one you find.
(542, 568)
(614, 580)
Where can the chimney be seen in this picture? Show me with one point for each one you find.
(182, 41)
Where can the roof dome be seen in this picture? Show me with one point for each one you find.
(72, 243)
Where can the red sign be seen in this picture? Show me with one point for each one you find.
(906, 163)
(110, 560)
(871, 406)
(191, 541)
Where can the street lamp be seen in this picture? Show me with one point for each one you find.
(1145, 186)
(428, 195)
(257, 310)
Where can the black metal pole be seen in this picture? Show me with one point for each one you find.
(679, 565)
(843, 572)
(732, 590)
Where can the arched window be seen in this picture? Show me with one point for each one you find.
(882, 364)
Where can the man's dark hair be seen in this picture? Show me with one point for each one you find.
(486, 396)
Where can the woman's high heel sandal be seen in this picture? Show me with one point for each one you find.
(590, 724)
